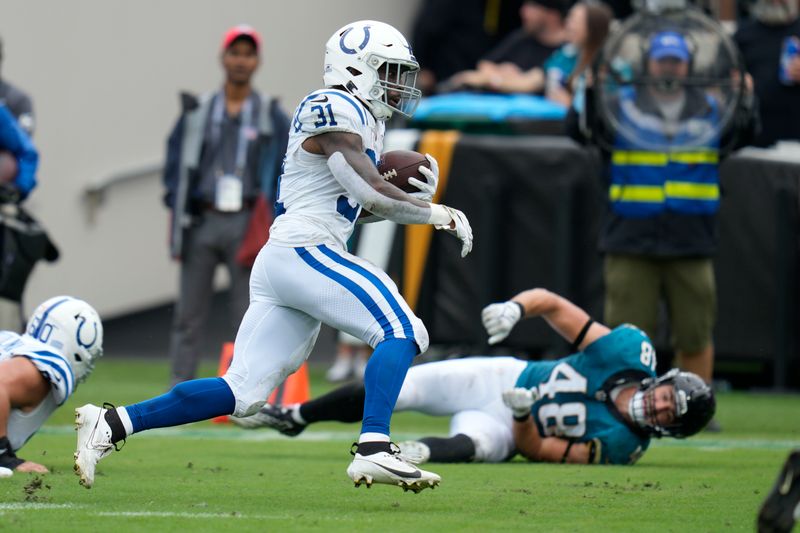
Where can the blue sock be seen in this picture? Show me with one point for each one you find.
(383, 380)
(190, 401)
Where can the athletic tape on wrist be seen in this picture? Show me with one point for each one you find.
(522, 418)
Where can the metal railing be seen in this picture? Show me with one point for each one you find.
(94, 195)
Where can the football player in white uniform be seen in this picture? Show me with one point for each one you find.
(40, 369)
(304, 275)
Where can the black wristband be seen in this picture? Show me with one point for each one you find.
(581, 335)
(522, 418)
(521, 309)
(8, 458)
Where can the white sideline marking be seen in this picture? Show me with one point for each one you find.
(168, 514)
(727, 444)
(262, 435)
(33, 506)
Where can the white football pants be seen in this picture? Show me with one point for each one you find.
(470, 390)
(294, 290)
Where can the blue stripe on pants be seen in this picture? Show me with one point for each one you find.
(408, 329)
(353, 287)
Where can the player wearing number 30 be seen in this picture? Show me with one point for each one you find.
(40, 369)
(304, 275)
(600, 405)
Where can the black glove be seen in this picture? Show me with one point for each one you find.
(8, 458)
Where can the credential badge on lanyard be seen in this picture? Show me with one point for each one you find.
(228, 193)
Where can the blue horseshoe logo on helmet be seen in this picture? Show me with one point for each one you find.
(361, 46)
(81, 322)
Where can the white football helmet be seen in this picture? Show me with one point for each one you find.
(374, 62)
(71, 326)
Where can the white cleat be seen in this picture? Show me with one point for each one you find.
(391, 469)
(94, 441)
(415, 452)
(6, 472)
(341, 370)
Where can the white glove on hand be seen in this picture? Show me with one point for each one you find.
(500, 319)
(427, 188)
(520, 400)
(462, 229)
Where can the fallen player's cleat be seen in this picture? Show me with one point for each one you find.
(366, 480)
(781, 509)
(272, 416)
(390, 468)
(415, 452)
(6, 472)
(94, 441)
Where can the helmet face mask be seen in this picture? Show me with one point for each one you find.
(396, 85)
(694, 405)
(73, 328)
(373, 61)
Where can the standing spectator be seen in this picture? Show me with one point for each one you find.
(18, 162)
(224, 151)
(515, 64)
(452, 35)
(661, 230)
(761, 41)
(17, 101)
(565, 71)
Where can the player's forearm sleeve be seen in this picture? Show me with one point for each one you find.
(378, 204)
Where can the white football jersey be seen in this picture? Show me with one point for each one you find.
(312, 207)
(54, 368)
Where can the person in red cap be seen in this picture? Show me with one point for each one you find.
(225, 151)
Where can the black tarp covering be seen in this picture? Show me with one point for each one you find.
(757, 265)
(536, 206)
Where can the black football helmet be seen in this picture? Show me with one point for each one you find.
(694, 404)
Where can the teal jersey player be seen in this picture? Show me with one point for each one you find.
(599, 406)
(575, 393)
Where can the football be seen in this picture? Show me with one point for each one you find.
(399, 165)
(8, 167)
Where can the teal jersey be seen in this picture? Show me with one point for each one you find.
(559, 66)
(572, 398)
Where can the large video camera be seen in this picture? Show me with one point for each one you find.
(670, 62)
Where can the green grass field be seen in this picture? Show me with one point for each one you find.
(207, 477)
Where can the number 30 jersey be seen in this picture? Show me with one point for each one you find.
(312, 208)
(53, 367)
(572, 401)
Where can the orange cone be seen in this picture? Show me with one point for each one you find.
(295, 389)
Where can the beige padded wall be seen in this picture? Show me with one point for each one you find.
(105, 75)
